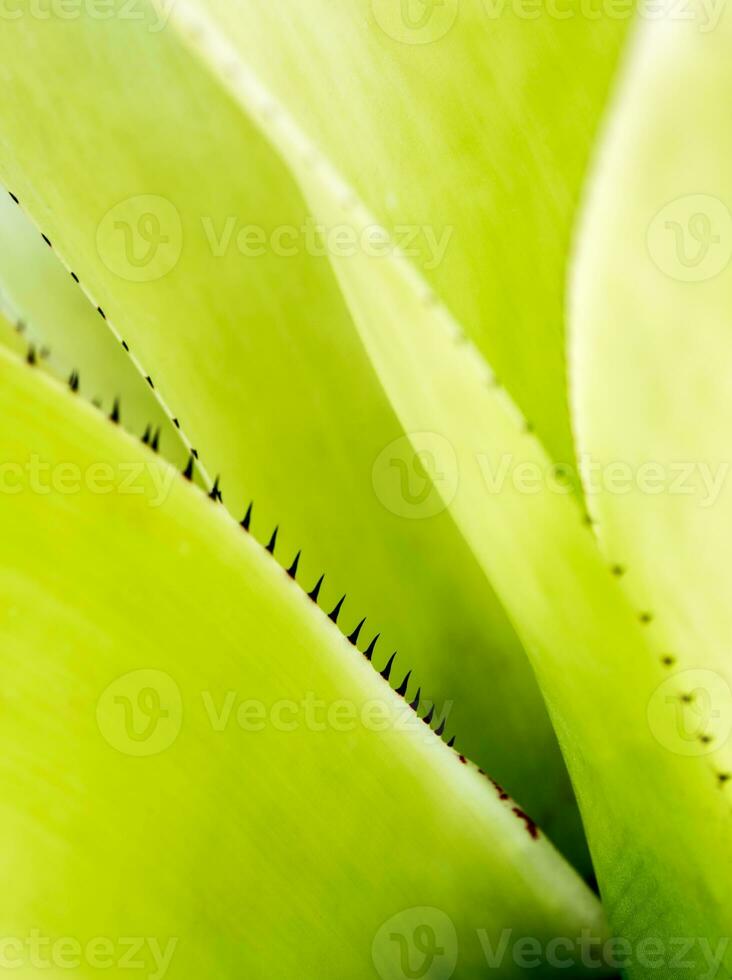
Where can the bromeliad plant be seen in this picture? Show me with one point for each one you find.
(194, 752)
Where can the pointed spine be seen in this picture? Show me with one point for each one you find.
(215, 493)
(369, 652)
(247, 520)
(386, 672)
(188, 471)
(403, 687)
(337, 611)
(273, 541)
(316, 591)
(292, 570)
(353, 638)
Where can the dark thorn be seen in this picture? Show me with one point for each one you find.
(316, 591)
(75, 277)
(114, 417)
(74, 381)
(149, 381)
(440, 731)
(246, 522)
(415, 704)
(292, 570)
(402, 689)
(195, 453)
(14, 197)
(31, 355)
(146, 437)
(97, 402)
(368, 653)
(273, 541)
(46, 240)
(124, 345)
(337, 611)
(353, 638)
(386, 672)
(155, 443)
(451, 743)
(215, 494)
(176, 423)
(188, 471)
(101, 313)
(429, 716)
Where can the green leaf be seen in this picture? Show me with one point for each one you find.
(64, 332)
(240, 843)
(590, 646)
(467, 139)
(11, 336)
(257, 358)
(651, 378)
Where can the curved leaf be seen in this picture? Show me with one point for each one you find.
(258, 360)
(188, 754)
(465, 128)
(651, 319)
(66, 333)
(591, 648)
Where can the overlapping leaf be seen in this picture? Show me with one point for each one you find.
(592, 649)
(172, 771)
(256, 357)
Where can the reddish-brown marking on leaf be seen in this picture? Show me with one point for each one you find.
(530, 825)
